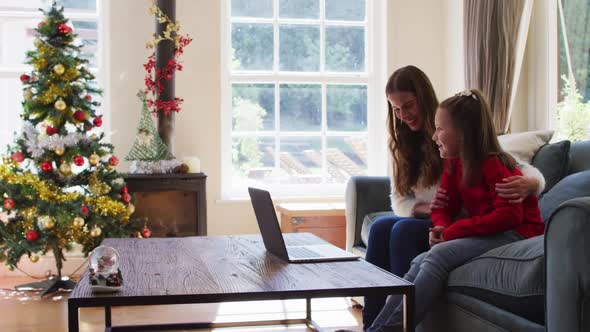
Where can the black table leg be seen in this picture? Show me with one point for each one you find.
(72, 317)
(107, 316)
(409, 311)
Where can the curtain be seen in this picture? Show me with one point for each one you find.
(495, 37)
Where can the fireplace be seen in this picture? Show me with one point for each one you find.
(171, 205)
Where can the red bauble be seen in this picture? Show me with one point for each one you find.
(113, 161)
(145, 232)
(64, 29)
(125, 197)
(79, 116)
(9, 204)
(32, 235)
(18, 157)
(50, 130)
(97, 121)
(84, 210)
(78, 160)
(88, 98)
(46, 166)
(24, 78)
(124, 190)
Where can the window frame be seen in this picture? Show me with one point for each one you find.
(373, 77)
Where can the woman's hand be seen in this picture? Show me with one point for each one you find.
(440, 199)
(516, 188)
(421, 210)
(435, 236)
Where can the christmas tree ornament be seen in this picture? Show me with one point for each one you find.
(28, 94)
(60, 105)
(131, 208)
(94, 159)
(64, 29)
(124, 190)
(84, 210)
(38, 42)
(18, 157)
(50, 130)
(60, 151)
(94, 137)
(88, 98)
(47, 222)
(79, 116)
(145, 232)
(113, 161)
(9, 204)
(65, 168)
(97, 121)
(34, 258)
(59, 69)
(78, 161)
(78, 222)
(24, 78)
(95, 232)
(46, 166)
(32, 235)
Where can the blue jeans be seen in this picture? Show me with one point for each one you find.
(393, 243)
(429, 273)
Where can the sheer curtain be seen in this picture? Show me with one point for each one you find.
(495, 33)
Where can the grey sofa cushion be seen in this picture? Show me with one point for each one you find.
(510, 277)
(572, 186)
(368, 221)
(552, 160)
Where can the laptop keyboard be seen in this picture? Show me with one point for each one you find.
(302, 252)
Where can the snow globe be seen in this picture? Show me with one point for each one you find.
(103, 273)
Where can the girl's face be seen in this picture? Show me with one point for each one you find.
(406, 108)
(446, 136)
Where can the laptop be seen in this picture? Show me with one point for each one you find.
(273, 238)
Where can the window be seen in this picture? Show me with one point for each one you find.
(18, 19)
(573, 109)
(297, 85)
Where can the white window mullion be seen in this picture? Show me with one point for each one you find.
(322, 37)
(324, 132)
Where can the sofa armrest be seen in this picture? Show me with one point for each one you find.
(364, 195)
(567, 246)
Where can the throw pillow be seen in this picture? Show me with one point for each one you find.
(572, 186)
(524, 145)
(552, 160)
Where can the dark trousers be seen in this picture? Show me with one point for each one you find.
(393, 243)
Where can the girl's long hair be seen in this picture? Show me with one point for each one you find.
(472, 117)
(415, 155)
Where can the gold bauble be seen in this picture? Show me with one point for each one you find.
(59, 69)
(94, 137)
(48, 222)
(94, 159)
(131, 208)
(60, 105)
(28, 94)
(78, 222)
(34, 258)
(65, 168)
(95, 232)
(38, 43)
(60, 151)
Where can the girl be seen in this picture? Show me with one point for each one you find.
(474, 165)
(395, 240)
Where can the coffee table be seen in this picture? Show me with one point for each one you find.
(214, 269)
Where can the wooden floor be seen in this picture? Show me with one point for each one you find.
(27, 312)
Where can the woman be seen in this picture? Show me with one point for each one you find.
(394, 241)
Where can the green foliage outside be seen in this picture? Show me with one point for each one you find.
(573, 114)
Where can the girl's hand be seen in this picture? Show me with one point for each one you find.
(421, 210)
(440, 199)
(435, 236)
(516, 188)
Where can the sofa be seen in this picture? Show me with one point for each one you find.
(537, 284)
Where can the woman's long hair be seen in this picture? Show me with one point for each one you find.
(415, 155)
(471, 116)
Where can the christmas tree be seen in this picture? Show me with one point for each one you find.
(58, 185)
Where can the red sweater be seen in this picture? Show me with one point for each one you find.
(489, 213)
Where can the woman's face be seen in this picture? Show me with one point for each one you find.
(406, 108)
(445, 135)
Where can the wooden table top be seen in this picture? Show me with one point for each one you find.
(229, 268)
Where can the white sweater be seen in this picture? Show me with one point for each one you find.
(403, 205)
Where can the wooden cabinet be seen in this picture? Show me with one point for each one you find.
(325, 220)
